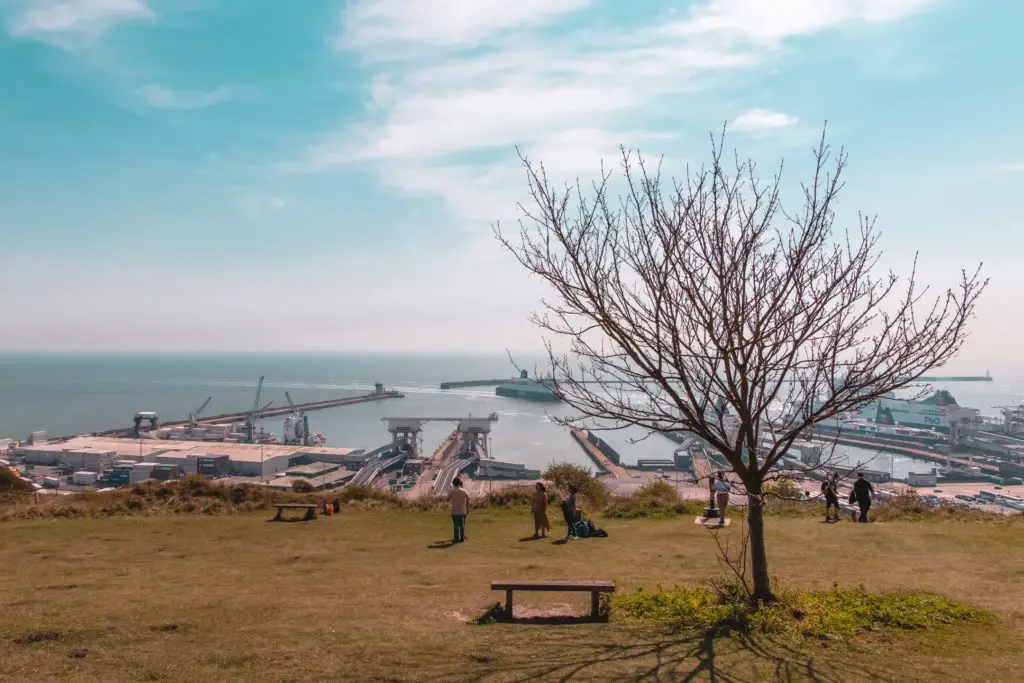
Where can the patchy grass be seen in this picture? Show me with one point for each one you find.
(832, 614)
(374, 594)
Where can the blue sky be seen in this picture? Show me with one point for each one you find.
(270, 174)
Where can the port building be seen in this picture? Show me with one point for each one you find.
(89, 453)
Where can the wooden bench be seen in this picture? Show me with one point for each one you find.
(595, 588)
(310, 509)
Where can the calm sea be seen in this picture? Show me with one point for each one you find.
(70, 394)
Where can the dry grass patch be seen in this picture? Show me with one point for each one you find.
(362, 596)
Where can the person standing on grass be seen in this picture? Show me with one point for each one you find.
(830, 487)
(864, 492)
(721, 488)
(569, 512)
(539, 507)
(459, 501)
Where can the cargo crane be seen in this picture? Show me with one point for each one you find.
(193, 418)
(300, 430)
(296, 427)
(255, 412)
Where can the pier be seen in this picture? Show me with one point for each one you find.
(269, 412)
(458, 384)
(603, 462)
(957, 378)
(450, 464)
(931, 456)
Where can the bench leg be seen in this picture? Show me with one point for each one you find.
(310, 514)
(595, 605)
(277, 517)
(508, 604)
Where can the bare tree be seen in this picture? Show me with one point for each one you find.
(703, 305)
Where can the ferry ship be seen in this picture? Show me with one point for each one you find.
(939, 413)
(928, 420)
(529, 389)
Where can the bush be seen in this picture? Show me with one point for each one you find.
(654, 500)
(657, 493)
(590, 488)
(12, 484)
(783, 487)
(834, 614)
(511, 497)
(365, 494)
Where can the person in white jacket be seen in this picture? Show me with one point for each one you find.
(459, 501)
(721, 487)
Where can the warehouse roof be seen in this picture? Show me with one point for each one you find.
(237, 452)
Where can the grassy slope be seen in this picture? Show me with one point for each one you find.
(361, 597)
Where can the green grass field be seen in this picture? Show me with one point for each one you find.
(361, 596)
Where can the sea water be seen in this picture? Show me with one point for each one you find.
(65, 394)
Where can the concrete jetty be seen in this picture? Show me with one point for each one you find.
(922, 454)
(604, 464)
(271, 412)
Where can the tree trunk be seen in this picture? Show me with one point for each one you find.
(758, 555)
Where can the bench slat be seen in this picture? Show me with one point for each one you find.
(589, 586)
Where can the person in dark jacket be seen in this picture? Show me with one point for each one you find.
(864, 492)
(569, 511)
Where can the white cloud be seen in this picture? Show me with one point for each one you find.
(72, 23)
(162, 97)
(762, 119)
(460, 83)
(770, 22)
(371, 23)
(1013, 168)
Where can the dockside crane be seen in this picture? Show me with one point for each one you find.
(301, 433)
(255, 412)
(193, 418)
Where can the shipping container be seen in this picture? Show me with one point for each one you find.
(84, 478)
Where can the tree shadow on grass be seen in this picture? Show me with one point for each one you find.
(441, 545)
(617, 653)
(497, 614)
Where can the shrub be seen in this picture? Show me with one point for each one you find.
(12, 484)
(302, 486)
(833, 614)
(589, 487)
(366, 493)
(510, 496)
(657, 493)
(654, 500)
(783, 487)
